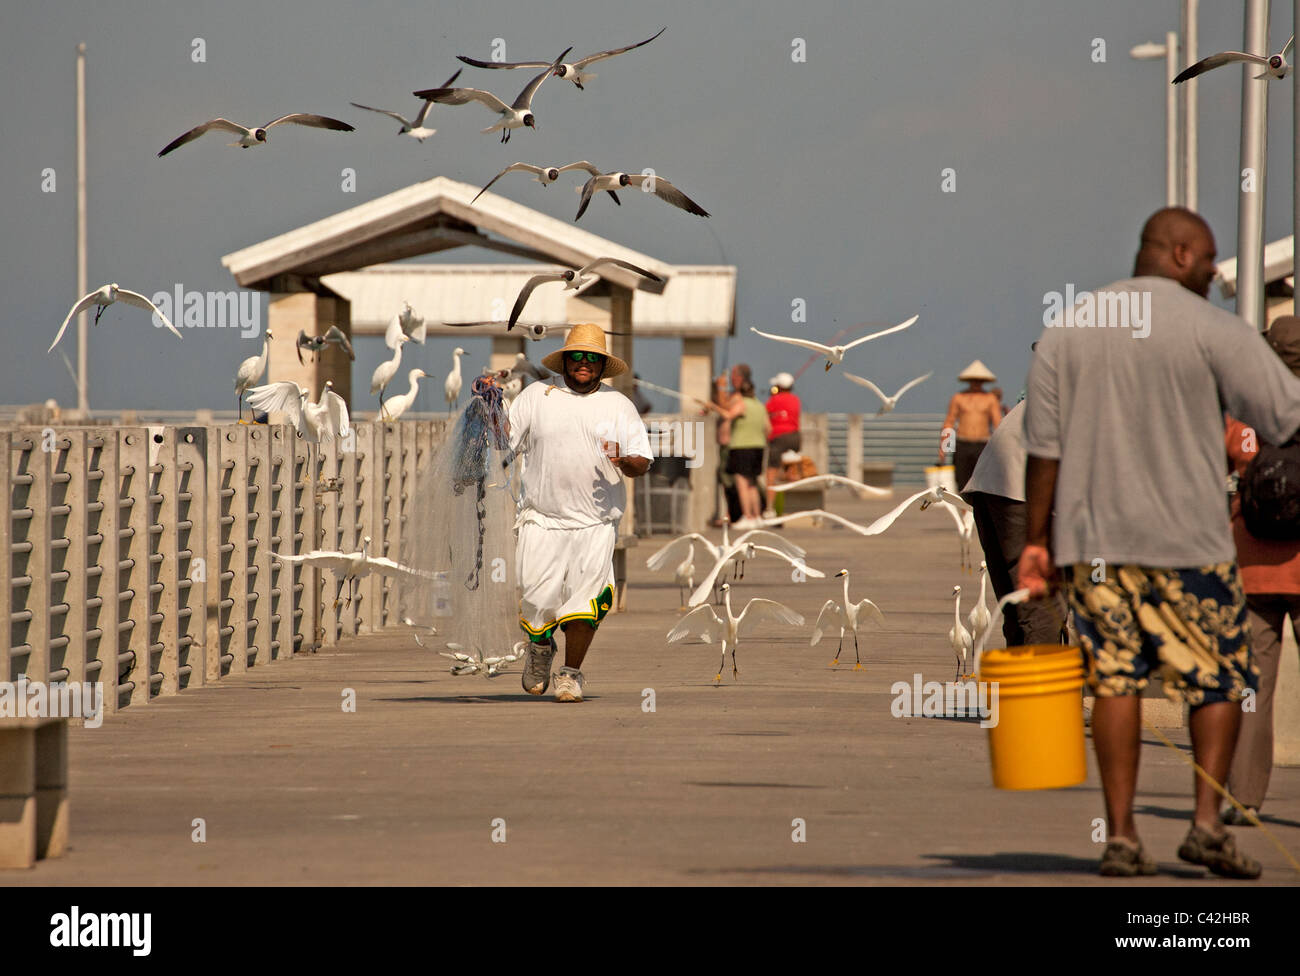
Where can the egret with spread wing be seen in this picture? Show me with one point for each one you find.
(834, 354)
(703, 622)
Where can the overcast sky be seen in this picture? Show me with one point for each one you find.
(823, 177)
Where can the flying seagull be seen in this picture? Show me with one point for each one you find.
(834, 354)
(412, 127)
(249, 137)
(106, 296)
(888, 403)
(333, 337)
(545, 175)
(569, 71)
(520, 113)
(648, 182)
(578, 281)
(1275, 66)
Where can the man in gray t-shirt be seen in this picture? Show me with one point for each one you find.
(1124, 482)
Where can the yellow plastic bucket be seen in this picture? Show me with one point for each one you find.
(1037, 742)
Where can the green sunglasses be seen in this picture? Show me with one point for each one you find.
(590, 357)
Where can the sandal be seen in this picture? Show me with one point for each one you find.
(1218, 853)
(1235, 818)
(1126, 859)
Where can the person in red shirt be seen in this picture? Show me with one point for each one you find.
(783, 413)
(1270, 575)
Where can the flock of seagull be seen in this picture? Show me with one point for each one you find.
(328, 418)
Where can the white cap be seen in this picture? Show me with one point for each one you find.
(791, 457)
(782, 380)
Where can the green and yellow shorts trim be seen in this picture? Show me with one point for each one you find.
(593, 615)
(1188, 626)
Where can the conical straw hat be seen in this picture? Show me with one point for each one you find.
(585, 337)
(976, 371)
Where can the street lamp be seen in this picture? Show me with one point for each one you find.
(1169, 51)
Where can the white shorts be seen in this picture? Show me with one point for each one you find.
(564, 575)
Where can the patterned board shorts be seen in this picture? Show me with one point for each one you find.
(1186, 625)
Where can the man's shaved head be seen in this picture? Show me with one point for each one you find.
(1177, 243)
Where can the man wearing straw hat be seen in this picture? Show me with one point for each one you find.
(972, 415)
(576, 440)
(1125, 486)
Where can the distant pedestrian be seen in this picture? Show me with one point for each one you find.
(996, 491)
(973, 414)
(1124, 484)
(1270, 575)
(749, 426)
(783, 410)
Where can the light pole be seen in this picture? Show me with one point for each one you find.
(1254, 142)
(1190, 196)
(1173, 163)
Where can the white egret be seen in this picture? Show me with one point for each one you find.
(406, 323)
(710, 627)
(848, 617)
(834, 354)
(980, 619)
(106, 296)
(318, 422)
(349, 566)
(928, 497)
(745, 548)
(888, 403)
(965, 522)
(959, 637)
(385, 371)
(452, 384)
(398, 405)
(250, 371)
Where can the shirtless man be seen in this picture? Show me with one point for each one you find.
(973, 414)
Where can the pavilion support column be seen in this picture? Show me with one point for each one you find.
(696, 379)
(314, 314)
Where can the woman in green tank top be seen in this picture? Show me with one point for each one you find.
(749, 427)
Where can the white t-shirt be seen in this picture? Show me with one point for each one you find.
(568, 481)
(1001, 467)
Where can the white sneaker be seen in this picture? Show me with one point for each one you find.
(537, 667)
(568, 685)
(769, 513)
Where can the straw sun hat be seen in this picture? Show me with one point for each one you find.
(585, 337)
(976, 371)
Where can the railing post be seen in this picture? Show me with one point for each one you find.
(306, 522)
(133, 559)
(164, 515)
(259, 542)
(331, 518)
(234, 451)
(102, 601)
(280, 583)
(371, 439)
(7, 469)
(191, 453)
(69, 470)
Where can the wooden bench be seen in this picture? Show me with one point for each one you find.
(33, 790)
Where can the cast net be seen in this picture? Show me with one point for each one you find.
(460, 538)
